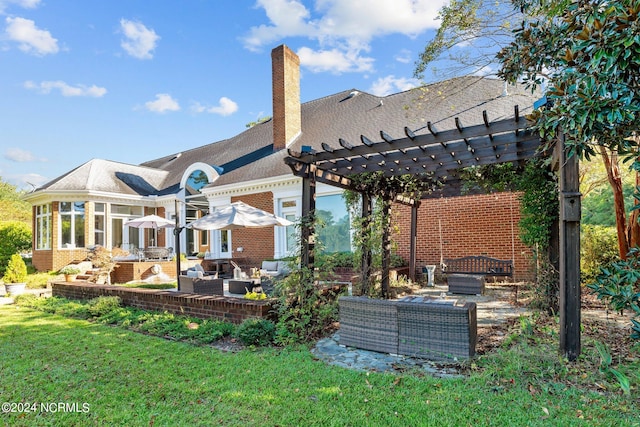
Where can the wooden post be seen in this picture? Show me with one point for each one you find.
(307, 231)
(365, 263)
(413, 240)
(570, 211)
(386, 248)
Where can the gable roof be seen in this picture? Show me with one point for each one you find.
(351, 113)
(249, 155)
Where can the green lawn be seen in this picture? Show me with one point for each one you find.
(117, 377)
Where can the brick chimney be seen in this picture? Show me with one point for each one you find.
(285, 66)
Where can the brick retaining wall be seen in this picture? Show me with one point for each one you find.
(228, 309)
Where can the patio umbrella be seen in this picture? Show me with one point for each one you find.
(150, 221)
(238, 215)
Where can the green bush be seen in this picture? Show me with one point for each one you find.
(617, 285)
(598, 248)
(256, 332)
(26, 300)
(38, 280)
(15, 237)
(103, 305)
(16, 271)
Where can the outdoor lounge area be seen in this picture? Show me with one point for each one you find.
(436, 329)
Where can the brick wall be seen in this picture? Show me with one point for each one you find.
(140, 270)
(470, 225)
(257, 242)
(229, 309)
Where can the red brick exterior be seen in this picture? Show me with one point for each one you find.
(258, 243)
(286, 96)
(128, 271)
(229, 309)
(470, 225)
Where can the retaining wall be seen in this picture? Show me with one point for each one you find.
(228, 309)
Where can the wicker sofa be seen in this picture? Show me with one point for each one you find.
(202, 286)
(430, 329)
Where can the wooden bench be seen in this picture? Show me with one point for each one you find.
(466, 275)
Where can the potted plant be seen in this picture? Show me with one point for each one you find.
(70, 272)
(15, 276)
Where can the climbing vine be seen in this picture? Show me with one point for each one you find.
(368, 232)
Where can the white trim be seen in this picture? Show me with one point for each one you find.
(211, 173)
(251, 187)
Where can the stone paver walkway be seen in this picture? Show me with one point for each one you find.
(492, 308)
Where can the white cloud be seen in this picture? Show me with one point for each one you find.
(345, 26)
(140, 41)
(30, 38)
(28, 181)
(334, 60)
(163, 103)
(19, 155)
(25, 4)
(404, 56)
(225, 108)
(390, 84)
(66, 89)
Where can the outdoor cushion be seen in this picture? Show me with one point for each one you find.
(195, 274)
(270, 265)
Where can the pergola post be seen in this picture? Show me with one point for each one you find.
(307, 231)
(386, 248)
(570, 212)
(413, 240)
(365, 262)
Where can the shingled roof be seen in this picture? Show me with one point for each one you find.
(352, 113)
(249, 155)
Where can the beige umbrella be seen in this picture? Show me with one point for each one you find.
(238, 215)
(150, 221)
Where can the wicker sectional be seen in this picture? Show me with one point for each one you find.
(202, 286)
(430, 330)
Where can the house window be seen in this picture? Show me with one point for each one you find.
(72, 224)
(289, 210)
(43, 227)
(98, 224)
(335, 231)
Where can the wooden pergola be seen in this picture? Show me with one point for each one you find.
(436, 156)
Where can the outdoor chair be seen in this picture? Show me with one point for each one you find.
(201, 285)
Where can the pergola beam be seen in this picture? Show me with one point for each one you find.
(390, 144)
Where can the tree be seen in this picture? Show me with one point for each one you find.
(470, 35)
(12, 207)
(588, 55)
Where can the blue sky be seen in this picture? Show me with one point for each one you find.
(132, 80)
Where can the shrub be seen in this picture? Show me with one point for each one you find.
(16, 271)
(26, 300)
(256, 332)
(303, 312)
(617, 284)
(15, 237)
(103, 305)
(38, 280)
(598, 248)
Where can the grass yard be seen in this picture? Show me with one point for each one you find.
(109, 376)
